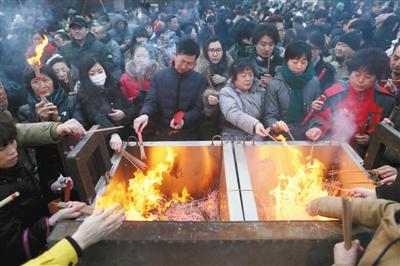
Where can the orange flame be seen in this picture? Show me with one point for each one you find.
(35, 60)
(296, 190)
(141, 197)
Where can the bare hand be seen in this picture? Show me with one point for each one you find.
(72, 211)
(387, 173)
(70, 128)
(116, 142)
(98, 225)
(314, 133)
(117, 115)
(178, 126)
(265, 80)
(346, 257)
(260, 130)
(317, 105)
(280, 126)
(362, 192)
(46, 111)
(140, 123)
(218, 79)
(311, 209)
(213, 100)
(362, 139)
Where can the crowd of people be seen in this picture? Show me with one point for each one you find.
(322, 70)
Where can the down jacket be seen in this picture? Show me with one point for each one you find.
(277, 98)
(171, 92)
(241, 110)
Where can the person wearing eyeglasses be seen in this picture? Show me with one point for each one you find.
(213, 64)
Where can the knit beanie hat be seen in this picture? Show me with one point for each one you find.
(352, 39)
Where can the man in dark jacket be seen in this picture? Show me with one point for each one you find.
(84, 43)
(266, 56)
(175, 97)
(323, 70)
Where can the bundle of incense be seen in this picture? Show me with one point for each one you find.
(103, 129)
(10, 198)
(141, 146)
(86, 210)
(269, 61)
(347, 221)
(134, 161)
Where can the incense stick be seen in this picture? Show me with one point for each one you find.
(269, 61)
(10, 198)
(361, 182)
(312, 150)
(134, 161)
(290, 135)
(141, 146)
(103, 129)
(336, 172)
(347, 220)
(86, 210)
(273, 138)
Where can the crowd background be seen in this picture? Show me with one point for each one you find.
(189, 70)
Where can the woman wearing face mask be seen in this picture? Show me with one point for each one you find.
(214, 65)
(291, 93)
(102, 101)
(67, 77)
(241, 102)
(139, 71)
(47, 101)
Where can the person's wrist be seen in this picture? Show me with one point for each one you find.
(80, 240)
(53, 219)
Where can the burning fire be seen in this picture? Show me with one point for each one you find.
(294, 191)
(35, 60)
(141, 197)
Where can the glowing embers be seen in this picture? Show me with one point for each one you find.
(153, 195)
(295, 189)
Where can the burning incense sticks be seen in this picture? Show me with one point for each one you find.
(141, 146)
(9, 199)
(347, 221)
(134, 161)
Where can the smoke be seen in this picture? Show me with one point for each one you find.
(343, 125)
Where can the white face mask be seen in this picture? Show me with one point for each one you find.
(98, 79)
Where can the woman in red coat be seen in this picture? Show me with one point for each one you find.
(139, 71)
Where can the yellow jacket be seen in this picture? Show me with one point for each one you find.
(61, 254)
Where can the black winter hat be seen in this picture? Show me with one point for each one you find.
(78, 21)
(352, 39)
